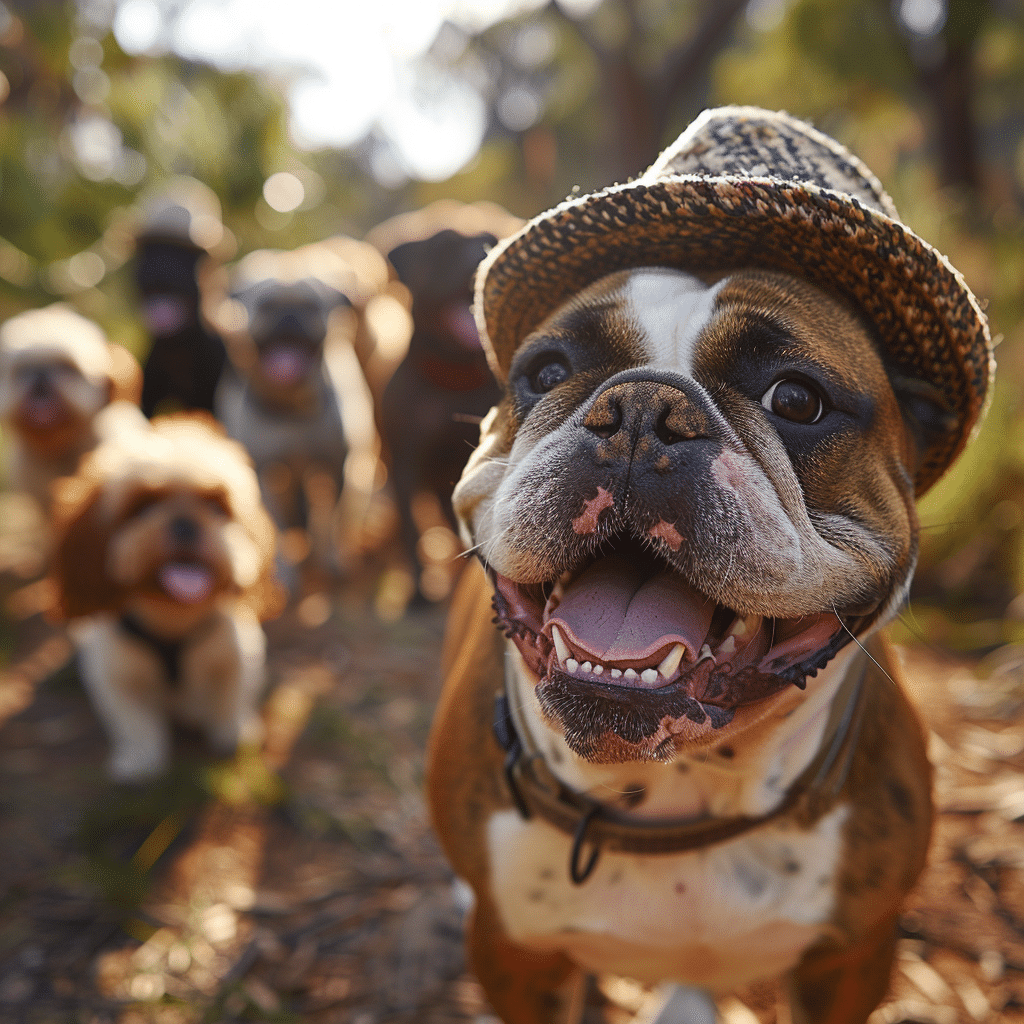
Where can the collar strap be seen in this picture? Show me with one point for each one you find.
(536, 791)
(167, 651)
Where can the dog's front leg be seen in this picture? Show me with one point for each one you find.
(524, 986)
(126, 701)
(844, 986)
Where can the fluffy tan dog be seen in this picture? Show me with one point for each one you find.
(164, 566)
(57, 370)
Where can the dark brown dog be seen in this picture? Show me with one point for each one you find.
(695, 506)
(432, 405)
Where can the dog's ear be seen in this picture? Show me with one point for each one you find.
(925, 415)
(267, 597)
(411, 263)
(79, 566)
(125, 376)
(328, 296)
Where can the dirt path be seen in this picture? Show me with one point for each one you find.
(304, 885)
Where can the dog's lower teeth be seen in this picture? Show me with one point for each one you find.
(598, 669)
(629, 673)
(617, 673)
(728, 645)
(705, 652)
(586, 666)
(649, 675)
(572, 664)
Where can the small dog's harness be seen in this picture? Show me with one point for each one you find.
(537, 791)
(168, 652)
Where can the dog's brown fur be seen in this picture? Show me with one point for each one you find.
(176, 492)
(523, 512)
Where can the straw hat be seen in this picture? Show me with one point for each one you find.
(745, 187)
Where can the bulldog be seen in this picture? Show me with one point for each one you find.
(689, 758)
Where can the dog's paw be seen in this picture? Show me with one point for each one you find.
(137, 764)
(227, 737)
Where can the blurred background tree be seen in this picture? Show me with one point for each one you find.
(523, 102)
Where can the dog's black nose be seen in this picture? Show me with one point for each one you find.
(40, 385)
(184, 530)
(652, 412)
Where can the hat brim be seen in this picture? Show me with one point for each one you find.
(927, 320)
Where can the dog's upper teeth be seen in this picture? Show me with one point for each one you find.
(586, 666)
(630, 673)
(745, 627)
(728, 645)
(649, 675)
(572, 664)
(561, 647)
(705, 652)
(671, 661)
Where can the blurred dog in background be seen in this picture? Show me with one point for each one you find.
(57, 371)
(164, 566)
(295, 397)
(179, 240)
(431, 409)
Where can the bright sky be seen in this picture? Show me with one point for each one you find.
(352, 65)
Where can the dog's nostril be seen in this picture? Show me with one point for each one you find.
(605, 418)
(664, 433)
(184, 530)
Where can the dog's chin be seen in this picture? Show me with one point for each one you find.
(176, 594)
(633, 663)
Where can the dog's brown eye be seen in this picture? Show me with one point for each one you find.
(549, 376)
(794, 401)
(141, 503)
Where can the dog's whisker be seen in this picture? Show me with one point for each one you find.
(853, 637)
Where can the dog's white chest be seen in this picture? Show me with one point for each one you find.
(714, 918)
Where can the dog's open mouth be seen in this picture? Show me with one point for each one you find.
(286, 364)
(627, 632)
(186, 582)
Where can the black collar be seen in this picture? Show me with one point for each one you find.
(536, 791)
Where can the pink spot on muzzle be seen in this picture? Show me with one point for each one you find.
(666, 532)
(586, 521)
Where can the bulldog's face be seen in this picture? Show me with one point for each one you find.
(692, 495)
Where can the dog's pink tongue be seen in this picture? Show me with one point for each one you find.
(618, 612)
(285, 365)
(185, 582)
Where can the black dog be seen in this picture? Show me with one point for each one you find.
(179, 232)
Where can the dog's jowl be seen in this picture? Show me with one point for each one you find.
(687, 758)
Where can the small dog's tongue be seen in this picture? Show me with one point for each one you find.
(618, 611)
(285, 365)
(42, 410)
(186, 582)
